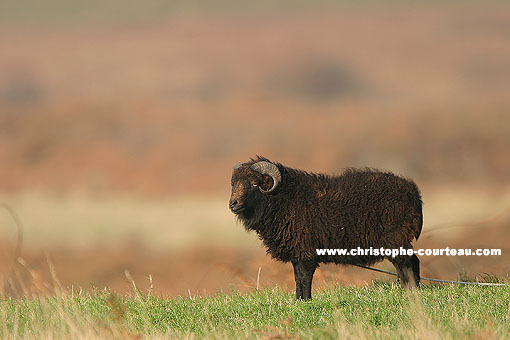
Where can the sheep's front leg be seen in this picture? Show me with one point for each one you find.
(299, 280)
(303, 274)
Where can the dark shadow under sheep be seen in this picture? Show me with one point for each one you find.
(295, 213)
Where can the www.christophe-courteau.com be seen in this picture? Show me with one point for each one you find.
(408, 252)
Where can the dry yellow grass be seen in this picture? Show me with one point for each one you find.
(82, 220)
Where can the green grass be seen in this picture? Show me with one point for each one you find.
(381, 311)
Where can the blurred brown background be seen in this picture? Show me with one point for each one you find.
(120, 122)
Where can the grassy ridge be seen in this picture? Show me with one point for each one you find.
(383, 311)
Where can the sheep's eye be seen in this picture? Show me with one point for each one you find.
(254, 185)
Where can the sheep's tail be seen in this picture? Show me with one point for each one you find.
(416, 197)
(419, 225)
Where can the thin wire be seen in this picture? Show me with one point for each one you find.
(436, 280)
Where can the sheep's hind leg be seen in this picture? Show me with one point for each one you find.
(415, 263)
(408, 270)
(303, 274)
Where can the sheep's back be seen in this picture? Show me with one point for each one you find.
(368, 208)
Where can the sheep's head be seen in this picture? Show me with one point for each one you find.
(250, 181)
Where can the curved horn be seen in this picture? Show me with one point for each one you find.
(267, 168)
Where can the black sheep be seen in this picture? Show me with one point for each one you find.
(295, 212)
